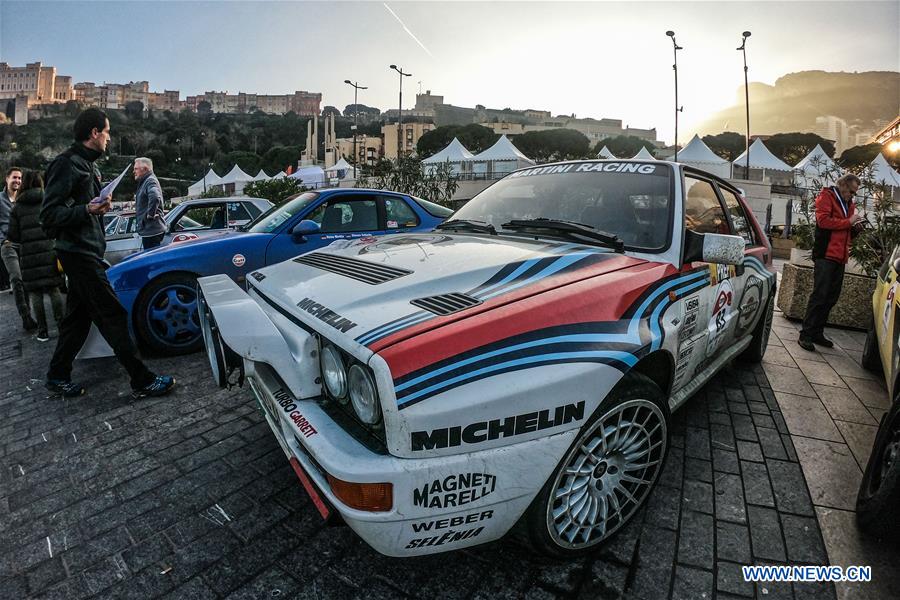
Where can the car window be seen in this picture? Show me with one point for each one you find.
(398, 214)
(738, 217)
(702, 210)
(344, 215)
(435, 210)
(237, 213)
(130, 224)
(201, 216)
(111, 226)
(275, 216)
(629, 200)
(251, 208)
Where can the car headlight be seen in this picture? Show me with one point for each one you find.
(334, 373)
(363, 395)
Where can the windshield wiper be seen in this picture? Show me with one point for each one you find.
(570, 228)
(479, 226)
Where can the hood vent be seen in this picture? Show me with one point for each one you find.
(361, 270)
(446, 304)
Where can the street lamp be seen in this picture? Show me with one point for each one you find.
(356, 88)
(400, 113)
(743, 49)
(678, 109)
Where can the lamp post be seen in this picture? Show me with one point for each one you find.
(678, 109)
(743, 49)
(356, 88)
(400, 113)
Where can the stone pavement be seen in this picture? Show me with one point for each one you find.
(189, 496)
(832, 408)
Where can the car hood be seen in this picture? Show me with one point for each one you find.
(379, 291)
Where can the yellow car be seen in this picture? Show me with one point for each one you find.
(879, 494)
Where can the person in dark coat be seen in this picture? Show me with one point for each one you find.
(40, 274)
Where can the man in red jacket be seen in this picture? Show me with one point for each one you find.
(836, 222)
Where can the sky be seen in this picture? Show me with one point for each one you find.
(598, 59)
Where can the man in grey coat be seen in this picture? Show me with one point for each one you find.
(148, 205)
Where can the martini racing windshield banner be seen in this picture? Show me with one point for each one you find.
(595, 167)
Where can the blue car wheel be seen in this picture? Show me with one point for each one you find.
(167, 320)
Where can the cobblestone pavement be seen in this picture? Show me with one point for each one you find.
(189, 496)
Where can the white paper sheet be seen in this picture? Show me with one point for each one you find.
(110, 187)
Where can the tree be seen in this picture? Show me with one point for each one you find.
(625, 146)
(473, 136)
(366, 113)
(553, 144)
(407, 176)
(859, 156)
(793, 147)
(331, 110)
(204, 108)
(160, 161)
(73, 107)
(247, 161)
(728, 145)
(134, 109)
(277, 158)
(275, 191)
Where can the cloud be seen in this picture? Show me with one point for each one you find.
(406, 29)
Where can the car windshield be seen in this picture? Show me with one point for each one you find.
(628, 200)
(275, 216)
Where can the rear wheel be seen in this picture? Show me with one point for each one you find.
(757, 348)
(878, 501)
(871, 360)
(166, 318)
(607, 473)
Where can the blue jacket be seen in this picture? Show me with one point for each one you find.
(148, 206)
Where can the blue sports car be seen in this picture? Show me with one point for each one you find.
(158, 287)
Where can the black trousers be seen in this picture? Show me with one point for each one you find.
(91, 300)
(152, 241)
(828, 277)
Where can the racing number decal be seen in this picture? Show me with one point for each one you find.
(888, 304)
(721, 314)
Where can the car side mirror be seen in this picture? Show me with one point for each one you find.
(303, 229)
(714, 248)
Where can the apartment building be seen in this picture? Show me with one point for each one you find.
(35, 81)
(113, 95)
(302, 103)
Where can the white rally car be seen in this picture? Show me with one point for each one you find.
(517, 364)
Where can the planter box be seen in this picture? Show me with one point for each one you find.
(781, 248)
(803, 258)
(853, 309)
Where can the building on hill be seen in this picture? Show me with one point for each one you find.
(166, 100)
(113, 95)
(410, 133)
(303, 103)
(37, 82)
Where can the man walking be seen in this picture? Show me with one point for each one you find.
(10, 252)
(148, 204)
(72, 213)
(836, 220)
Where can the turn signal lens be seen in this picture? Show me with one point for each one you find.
(372, 497)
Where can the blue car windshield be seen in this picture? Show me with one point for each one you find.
(275, 216)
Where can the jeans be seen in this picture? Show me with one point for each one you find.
(91, 300)
(828, 277)
(10, 256)
(152, 241)
(37, 306)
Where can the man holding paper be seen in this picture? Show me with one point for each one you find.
(72, 214)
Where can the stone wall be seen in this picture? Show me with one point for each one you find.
(854, 307)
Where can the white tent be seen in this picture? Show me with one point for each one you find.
(816, 167)
(261, 176)
(455, 153)
(644, 154)
(761, 158)
(697, 154)
(309, 176)
(237, 178)
(340, 170)
(605, 153)
(502, 157)
(883, 173)
(280, 175)
(208, 180)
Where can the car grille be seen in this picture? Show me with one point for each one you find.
(361, 270)
(445, 304)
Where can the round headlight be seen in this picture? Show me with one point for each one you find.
(363, 395)
(333, 372)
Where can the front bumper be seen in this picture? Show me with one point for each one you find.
(439, 503)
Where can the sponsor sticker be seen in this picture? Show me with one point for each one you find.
(392, 225)
(238, 260)
(447, 530)
(888, 303)
(719, 273)
(685, 352)
(455, 490)
(689, 322)
(594, 167)
(284, 401)
(326, 315)
(749, 304)
(721, 315)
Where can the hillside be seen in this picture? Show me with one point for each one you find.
(796, 99)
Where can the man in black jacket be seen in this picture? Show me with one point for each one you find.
(72, 213)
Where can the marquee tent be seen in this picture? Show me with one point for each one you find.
(206, 182)
(261, 176)
(454, 153)
(816, 167)
(644, 154)
(502, 157)
(236, 177)
(883, 173)
(340, 170)
(309, 176)
(697, 154)
(605, 153)
(280, 175)
(761, 158)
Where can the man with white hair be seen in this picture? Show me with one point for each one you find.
(148, 204)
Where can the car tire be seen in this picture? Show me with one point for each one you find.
(587, 498)
(757, 348)
(166, 317)
(879, 494)
(871, 359)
